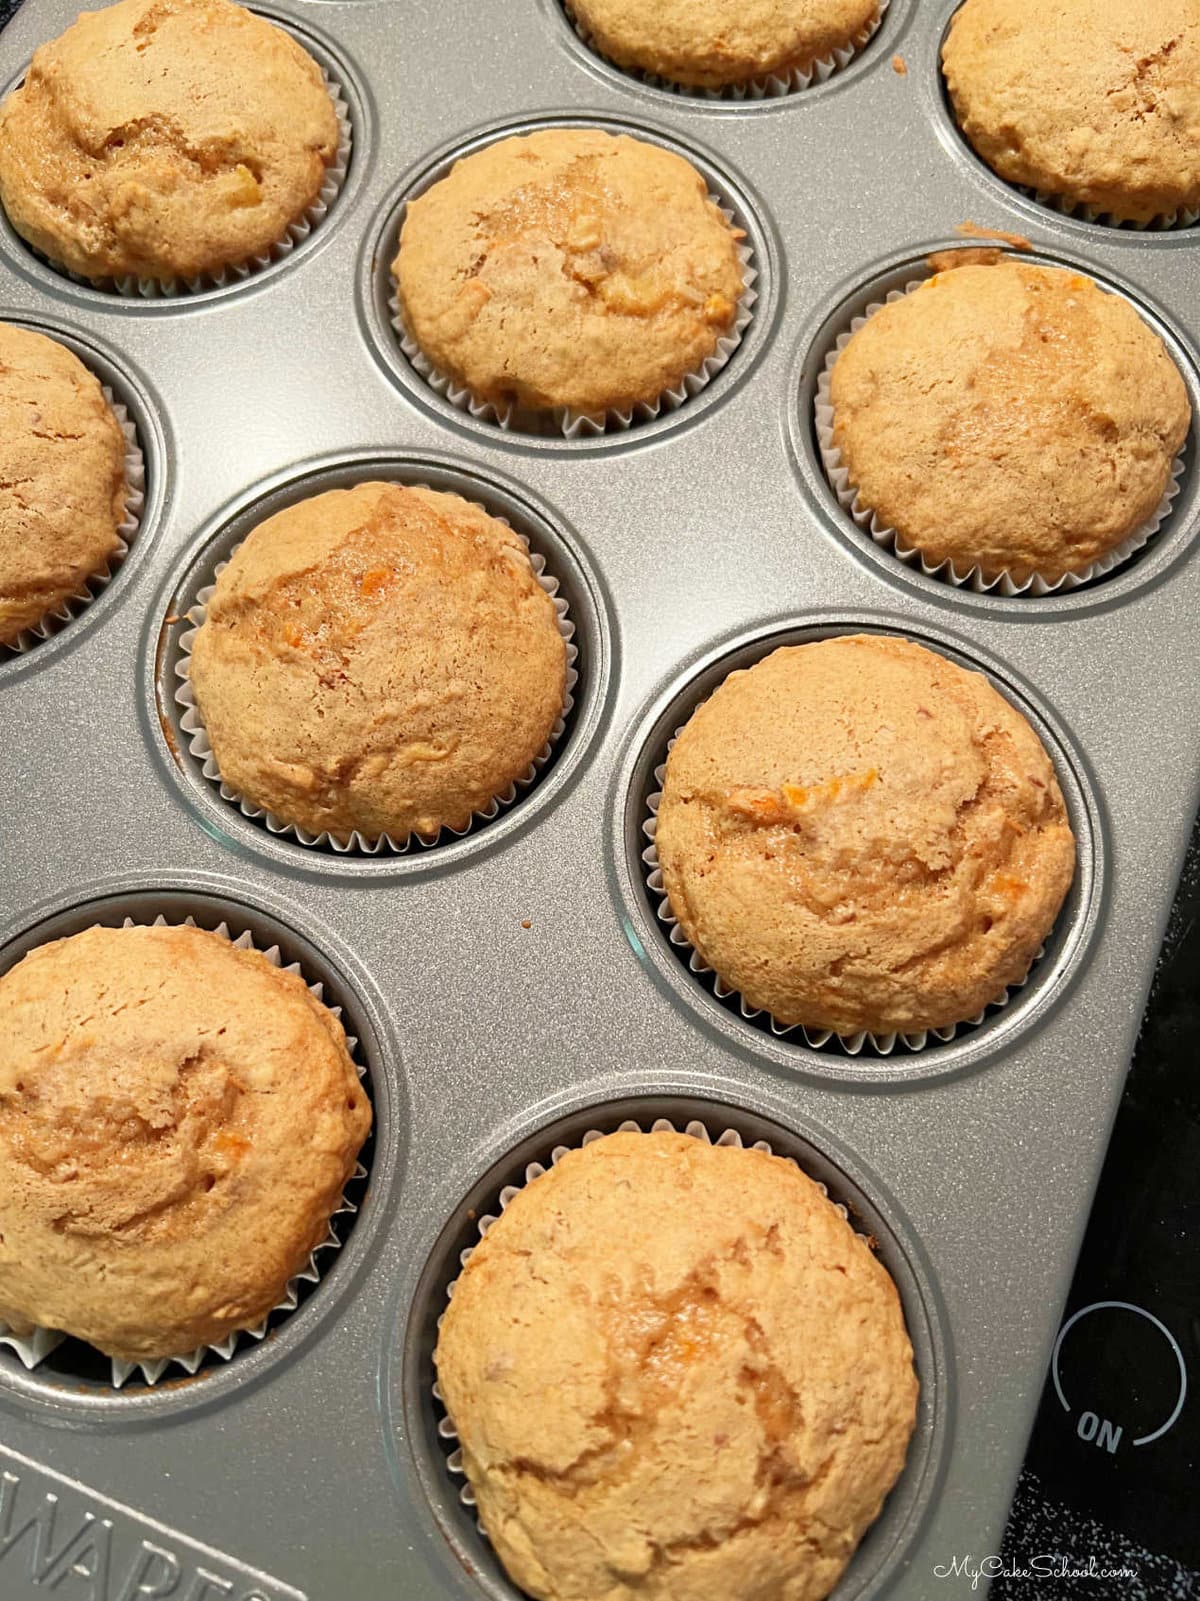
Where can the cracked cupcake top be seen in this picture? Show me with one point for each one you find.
(1094, 101)
(708, 44)
(62, 478)
(570, 268)
(1011, 417)
(379, 659)
(677, 1374)
(178, 1119)
(858, 834)
(166, 139)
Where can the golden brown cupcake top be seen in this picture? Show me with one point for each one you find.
(177, 1121)
(676, 1372)
(1094, 101)
(709, 44)
(62, 478)
(1011, 417)
(568, 268)
(166, 139)
(858, 834)
(379, 659)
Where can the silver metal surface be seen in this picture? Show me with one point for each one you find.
(302, 1460)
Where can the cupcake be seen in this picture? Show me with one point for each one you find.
(858, 835)
(165, 139)
(1011, 418)
(62, 479)
(568, 269)
(719, 44)
(177, 1121)
(378, 660)
(676, 1372)
(1092, 102)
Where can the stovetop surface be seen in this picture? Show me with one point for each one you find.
(1111, 1475)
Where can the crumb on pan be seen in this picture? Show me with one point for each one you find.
(972, 230)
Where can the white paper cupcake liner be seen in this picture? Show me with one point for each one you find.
(578, 424)
(696, 1129)
(817, 1038)
(946, 571)
(1164, 222)
(33, 1348)
(771, 86)
(192, 724)
(127, 529)
(132, 287)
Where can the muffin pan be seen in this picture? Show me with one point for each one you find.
(515, 985)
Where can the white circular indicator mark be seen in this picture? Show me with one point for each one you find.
(1140, 1311)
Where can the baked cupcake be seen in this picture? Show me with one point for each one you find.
(676, 1371)
(1011, 418)
(177, 1121)
(165, 139)
(718, 44)
(379, 660)
(568, 269)
(858, 835)
(62, 479)
(1092, 102)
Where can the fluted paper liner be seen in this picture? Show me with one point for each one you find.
(192, 724)
(32, 1349)
(131, 287)
(817, 1038)
(972, 578)
(770, 86)
(127, 529)
(696, 1129)
(1164, 222)
(561, 419)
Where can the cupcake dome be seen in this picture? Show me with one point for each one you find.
(568, 268)
(1091, 101)
(62, 479)
(712, 44)
(1010, 417)
(178, 1118)
(164, 139)
(380, 660)
(676, 1374)
(857, 835)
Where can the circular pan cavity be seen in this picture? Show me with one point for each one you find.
(1038, 207)
(105, 295)
(248, 828)
(77, 1378)
(766, 94)
(376, 288)
(863, 1061)
(819, 338)
(412, 1410)
(130, 390)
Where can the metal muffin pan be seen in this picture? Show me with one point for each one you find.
(515, 973)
